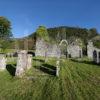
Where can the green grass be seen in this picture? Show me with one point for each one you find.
(78, 80)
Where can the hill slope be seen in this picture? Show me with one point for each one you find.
(56, 34)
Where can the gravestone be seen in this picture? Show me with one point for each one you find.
(29, 61)
(2, 62)
(24, 62)
(21, 63)
(57, 68)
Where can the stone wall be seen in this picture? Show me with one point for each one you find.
(93, 52)
(74, 51)
(54, 51)
(40, 47)
(90, 49)
(49, 50)
(96, 55)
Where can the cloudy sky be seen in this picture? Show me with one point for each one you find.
(27, 15)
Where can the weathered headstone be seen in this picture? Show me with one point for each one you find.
(29, 61)
(57, 68)
(2, 62)
(24, 62)
(21, 63)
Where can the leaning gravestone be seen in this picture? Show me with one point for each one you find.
(21, 63)
(2, 62)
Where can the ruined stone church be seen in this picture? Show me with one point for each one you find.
(93, 52)
(53, 50)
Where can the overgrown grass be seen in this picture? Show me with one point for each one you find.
(78, 80)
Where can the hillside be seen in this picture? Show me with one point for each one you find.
(56, 34)
(64, 32)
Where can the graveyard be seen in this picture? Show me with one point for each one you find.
(50, 64)
(78, 80)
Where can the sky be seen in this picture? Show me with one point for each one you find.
(27, 15)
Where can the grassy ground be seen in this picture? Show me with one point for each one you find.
(78, 80)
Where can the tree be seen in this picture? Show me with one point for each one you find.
(5, 28)
(93, 32)
(5, 44)
(5, 33)
(42, 33)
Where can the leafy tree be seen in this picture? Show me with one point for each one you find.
(42, 33)
(5, 33)
(56, 34)
(5, 28)
(97, 43)
(92, 33)
(5, 44)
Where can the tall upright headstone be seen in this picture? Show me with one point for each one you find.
(29, 61)
(2, 62)
(57, 68)
(21, 63)
(24, 62)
